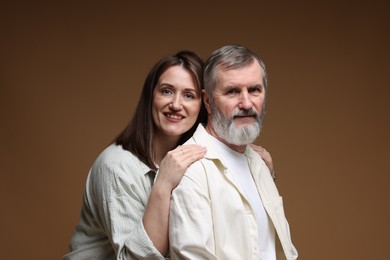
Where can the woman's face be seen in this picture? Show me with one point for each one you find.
(176, 102)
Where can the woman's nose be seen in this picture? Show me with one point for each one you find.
(176, 103)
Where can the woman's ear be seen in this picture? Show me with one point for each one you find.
(206, 101)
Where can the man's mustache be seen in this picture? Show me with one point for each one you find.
(244, 112)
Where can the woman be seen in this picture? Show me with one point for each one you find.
(126, 204)
(123, 215)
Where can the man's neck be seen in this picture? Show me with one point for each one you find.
(237, 148)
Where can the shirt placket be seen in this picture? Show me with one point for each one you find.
(253, 232)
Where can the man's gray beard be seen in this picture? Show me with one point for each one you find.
(227, 130)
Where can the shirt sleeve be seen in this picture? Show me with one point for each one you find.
(190, 227)
(121, 193)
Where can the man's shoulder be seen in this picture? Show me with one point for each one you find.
(196, 174)
(196, 168)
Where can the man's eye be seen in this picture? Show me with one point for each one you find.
(232, 92)
(255, 90)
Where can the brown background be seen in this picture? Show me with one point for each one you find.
(71, 74)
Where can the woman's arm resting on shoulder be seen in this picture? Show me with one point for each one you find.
(191, 230)
(172, 169)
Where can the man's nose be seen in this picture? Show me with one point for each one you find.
(245, 101)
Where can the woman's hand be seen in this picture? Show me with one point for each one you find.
(266, 156)
(175, 163)
(172, 169)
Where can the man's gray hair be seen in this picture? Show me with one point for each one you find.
(225, 58)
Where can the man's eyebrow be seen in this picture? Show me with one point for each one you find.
(256, 86)
(230, 87)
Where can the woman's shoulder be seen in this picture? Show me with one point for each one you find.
(116, 172)
(115, 153)
(117, 161)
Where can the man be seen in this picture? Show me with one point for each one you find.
(227, 205)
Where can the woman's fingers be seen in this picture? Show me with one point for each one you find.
(266, 156)
(183, 156)
(190, 153)
(175, 163)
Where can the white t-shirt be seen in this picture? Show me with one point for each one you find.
(238, 167)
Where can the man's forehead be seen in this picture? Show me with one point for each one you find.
(252, 75)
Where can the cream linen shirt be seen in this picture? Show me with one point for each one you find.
(115, 197)
(211, 219)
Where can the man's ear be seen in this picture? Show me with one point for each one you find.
(206, 101)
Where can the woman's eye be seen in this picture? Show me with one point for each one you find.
(189, 96)
(166, 91)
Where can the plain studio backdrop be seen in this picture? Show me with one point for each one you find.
(72, 71)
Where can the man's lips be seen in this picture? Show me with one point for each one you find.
(245, 119)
